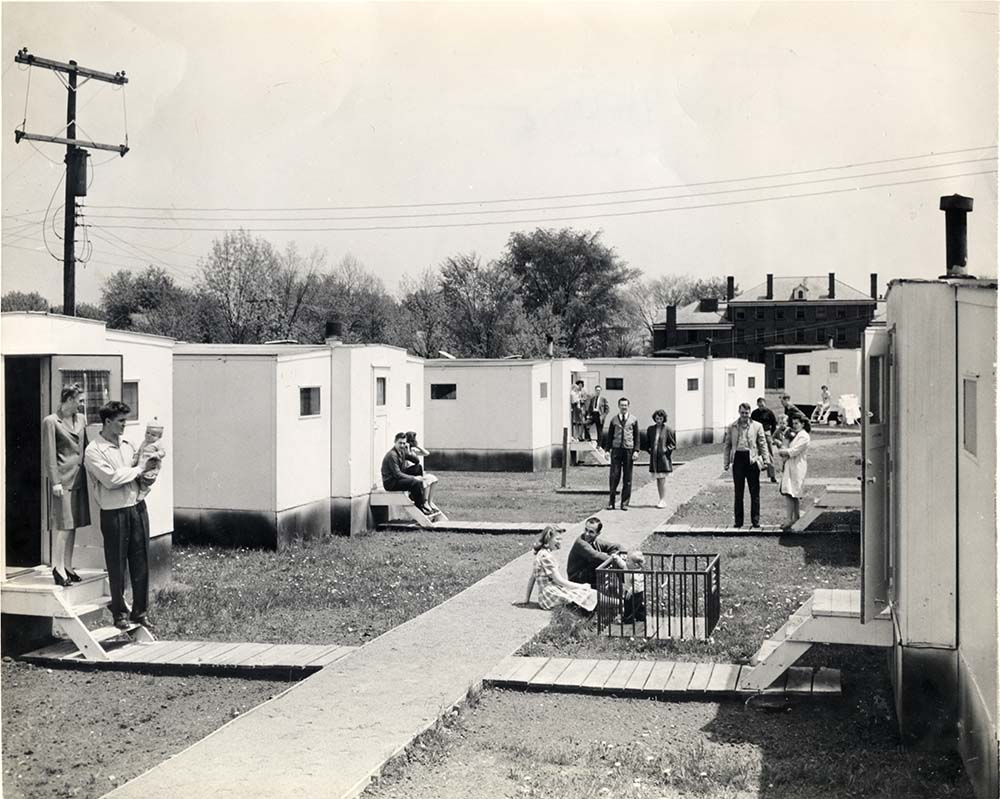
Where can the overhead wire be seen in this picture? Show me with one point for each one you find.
(566, 196)
(45, 221)
(575, 217)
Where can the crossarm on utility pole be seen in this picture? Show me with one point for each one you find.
(24, 57)
(89, 145)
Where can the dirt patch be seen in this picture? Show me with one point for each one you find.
(69, 733)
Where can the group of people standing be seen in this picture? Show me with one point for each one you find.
(118, 476)
(622, 443)
(753, 443)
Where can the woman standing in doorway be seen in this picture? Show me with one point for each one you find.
(661, 443)
(64, 438)
(793, 476)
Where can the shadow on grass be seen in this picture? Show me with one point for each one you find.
(842, 550)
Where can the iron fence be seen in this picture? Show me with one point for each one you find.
(675, 596)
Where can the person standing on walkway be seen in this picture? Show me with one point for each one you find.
(597, 412)
(744, 447)
(109, 460)
(769, 422)
(64, 439)
(793, 476)
(622, 441)
(661, 442)
(553, 588)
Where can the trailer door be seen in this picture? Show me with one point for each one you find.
(875, 472)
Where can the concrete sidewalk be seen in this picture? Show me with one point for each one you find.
(328, 735)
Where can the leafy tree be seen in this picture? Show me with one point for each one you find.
(126, 294)
(358, 299)
(23, 301)
(483, 311)
(422, 325)
(573, 275)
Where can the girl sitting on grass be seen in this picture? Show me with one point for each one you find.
(553, 588)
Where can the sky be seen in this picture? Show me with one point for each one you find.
(703, 139)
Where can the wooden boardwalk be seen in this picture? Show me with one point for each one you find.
(489, 528)
(653, 678)
(293, 660)
(745, 531)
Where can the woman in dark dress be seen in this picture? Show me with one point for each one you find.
(660, 443)
(64, 438)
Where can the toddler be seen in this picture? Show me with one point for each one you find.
(634, 588)
(152, 450)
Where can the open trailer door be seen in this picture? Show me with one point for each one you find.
(876, 385)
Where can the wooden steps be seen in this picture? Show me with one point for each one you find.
(651, 678)
(193, 656)
(401, 500)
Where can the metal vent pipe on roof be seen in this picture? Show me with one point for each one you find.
(730, 287)
(955, 209)
(334, 331)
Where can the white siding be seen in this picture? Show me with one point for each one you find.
(302, 444)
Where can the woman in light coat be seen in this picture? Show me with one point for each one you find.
(793, 475)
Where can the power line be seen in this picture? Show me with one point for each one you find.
(483, 223)
(565, 196)
(137, 253)
(440, 214)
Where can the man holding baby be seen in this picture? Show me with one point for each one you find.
(120, 478)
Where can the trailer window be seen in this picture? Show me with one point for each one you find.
(309, 401)
(969, 414)
(444, 391)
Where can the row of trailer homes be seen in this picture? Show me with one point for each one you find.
(268, 443)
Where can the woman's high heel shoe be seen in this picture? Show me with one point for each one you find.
(73, 576)
(60, 580)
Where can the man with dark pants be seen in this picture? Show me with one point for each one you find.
(114, 470)
(622, 442)
(744, 447)
(395, 478)
(769, 422)
(597, 410)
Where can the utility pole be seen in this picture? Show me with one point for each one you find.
(76, 157)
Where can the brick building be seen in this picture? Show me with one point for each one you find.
(762, 324)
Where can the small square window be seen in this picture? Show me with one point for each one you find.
(841, 313)
(802, 369)
(759, 313)
(800, 312)
(741, 315)
(969, 412)
(543, 390)
(751, 382)
(408, 395)
(779, 313)
(821, 312)
(444, 391)
(615, 384)
(692, 384)
(380, 391)
(834, 367)
(130, 396)
(309, 401)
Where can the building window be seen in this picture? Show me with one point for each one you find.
(834, 367)
(800, 312)
(779, 313)
(96, 384)
(444, 391)
(759, 313)
(309, 401)
(408, 397)
(801, 294)
(751, 382)
(821, 312)
(841, 313)
(615, 384)
(692, 384)
(758, 336)
(731, 379)
(820, 336)
(543, 390)
(802, 369)
(841, 334)
(800, 335)
(741, 315)
(969, 387)
(379, 391)
(692, 337)
(130, 396)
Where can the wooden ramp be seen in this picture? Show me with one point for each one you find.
(205, 657)
(653, 678)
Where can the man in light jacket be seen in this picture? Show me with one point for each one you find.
(745, 449)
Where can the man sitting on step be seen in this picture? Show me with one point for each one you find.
(395, 478)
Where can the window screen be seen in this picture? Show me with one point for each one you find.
(444, 391)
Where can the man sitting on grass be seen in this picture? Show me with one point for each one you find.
(395, 478)
(588, 553)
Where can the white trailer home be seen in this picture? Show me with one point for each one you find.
(279, 441)
(701, 396)
(41, 354)
(807, 372)
(496, 415)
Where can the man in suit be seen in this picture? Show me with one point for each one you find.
(597, 411)
(744, 447)
(622, 442)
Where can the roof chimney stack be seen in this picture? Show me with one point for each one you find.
(955, 209)
(833, 286)
(874, 286)
(334, 332)
(671, 318)
(770, 288)
(730, 287)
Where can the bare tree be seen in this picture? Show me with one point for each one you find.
(422, 323)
